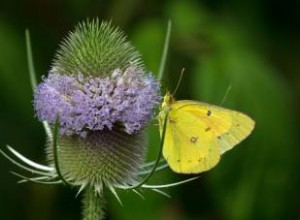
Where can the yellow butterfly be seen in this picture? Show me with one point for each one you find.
(198, 133)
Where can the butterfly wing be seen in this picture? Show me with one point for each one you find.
(188, 148)
(229, 127)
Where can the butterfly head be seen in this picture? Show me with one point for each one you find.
(165, 108)
(168, 100)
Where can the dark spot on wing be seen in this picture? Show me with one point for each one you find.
(207, 129)
(208, 113)
(193, 139)
(178, 160)
(238, 125)
(219, 137)
(171, 120)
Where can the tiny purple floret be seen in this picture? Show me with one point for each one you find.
(126, 98)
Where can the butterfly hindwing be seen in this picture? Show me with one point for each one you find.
(188, 147)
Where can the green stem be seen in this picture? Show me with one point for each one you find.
(93, 204)
(165, 52)
(30, 60)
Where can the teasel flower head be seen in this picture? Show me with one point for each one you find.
(104, 98)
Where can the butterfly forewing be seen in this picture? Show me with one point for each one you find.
(228, 127)
(240, 128)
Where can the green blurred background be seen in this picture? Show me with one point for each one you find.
(252, 45)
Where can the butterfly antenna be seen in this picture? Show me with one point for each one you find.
(179, 81)
(226, 94)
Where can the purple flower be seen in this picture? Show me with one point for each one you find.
(125, 99)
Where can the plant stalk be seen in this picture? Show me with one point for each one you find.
(93, 205)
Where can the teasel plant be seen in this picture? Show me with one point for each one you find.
(94, 105)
